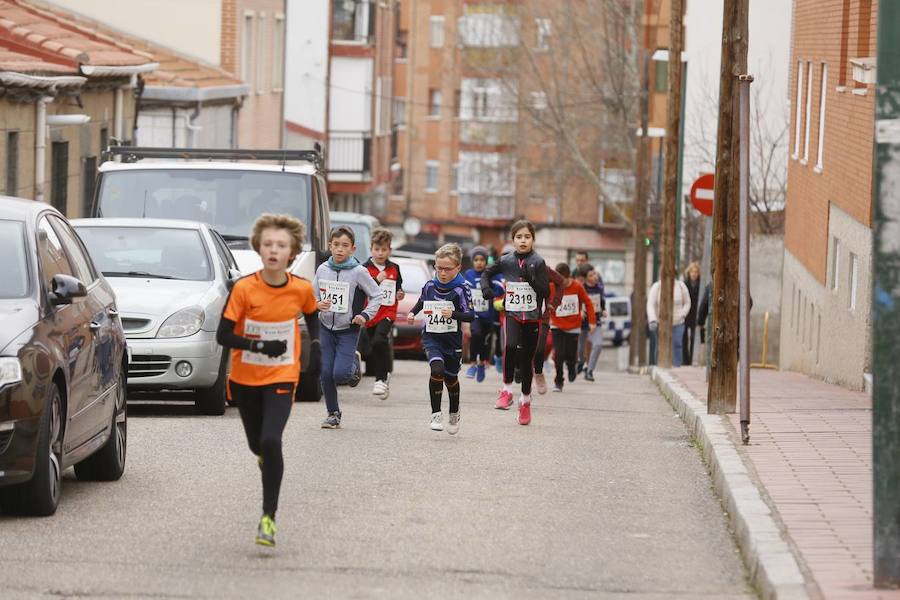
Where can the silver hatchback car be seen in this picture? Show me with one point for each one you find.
(171, 279)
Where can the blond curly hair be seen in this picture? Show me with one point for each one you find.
(295, 228)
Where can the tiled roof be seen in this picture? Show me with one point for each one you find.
(54, 36)
(31, 65)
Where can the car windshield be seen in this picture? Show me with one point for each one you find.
(617, 308)
(229, 201)
(363, 236)
(13, 267)
(148, 252)
(414, 277)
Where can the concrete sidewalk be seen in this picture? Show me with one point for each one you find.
(810, 457)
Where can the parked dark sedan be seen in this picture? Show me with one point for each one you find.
(62, 361)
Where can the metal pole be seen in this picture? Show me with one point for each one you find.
(744, 264)
(707, 277)
(886, 304)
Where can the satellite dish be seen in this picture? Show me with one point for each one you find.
(412, 226)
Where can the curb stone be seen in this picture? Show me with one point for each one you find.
(773, 567)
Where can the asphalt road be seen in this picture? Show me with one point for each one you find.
(603, 495)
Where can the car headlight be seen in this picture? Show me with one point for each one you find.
(10, 371)
(183, 323)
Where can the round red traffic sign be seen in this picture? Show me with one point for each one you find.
(703, 192)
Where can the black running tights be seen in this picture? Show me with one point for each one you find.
(264, 412)
(436, 383)
(521, 344)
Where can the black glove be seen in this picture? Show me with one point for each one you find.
(270, 348)
(315, 359)
(488, 292)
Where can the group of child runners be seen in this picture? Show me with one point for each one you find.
(517, 301)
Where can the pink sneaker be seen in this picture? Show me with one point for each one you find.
(504, 400)
(524, 413)
(541, 382)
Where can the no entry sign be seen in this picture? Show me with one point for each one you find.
(702, 193)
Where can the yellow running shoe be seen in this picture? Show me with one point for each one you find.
(265, 534)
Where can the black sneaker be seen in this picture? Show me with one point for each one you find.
(588, 375)
(357, 373)
(572, 376)
(332, 421)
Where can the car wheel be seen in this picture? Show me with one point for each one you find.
(309, 389)
(40, 495)
(211, 401)
(618, 342)
(108, 463)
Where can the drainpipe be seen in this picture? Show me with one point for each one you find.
(40, 147)
(119, 127)
(192, 129)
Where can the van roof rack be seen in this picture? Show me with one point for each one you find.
(131, 154)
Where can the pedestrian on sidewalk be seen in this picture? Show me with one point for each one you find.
(446, 301)
(681, 304)
(526, 289)
(692, 281)
(593, 285)
(342, 286)
(566, 325)
(259, 324)
(581, 269)
(377, 336)
(480, 353)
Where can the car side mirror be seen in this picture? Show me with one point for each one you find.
(65, 288)
(233, 275)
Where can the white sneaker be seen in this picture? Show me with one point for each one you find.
(387, 388)
(437, 423)
(453, 425)
(380, 390)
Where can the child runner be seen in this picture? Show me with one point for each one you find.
(446, 301)
(480, 342)
(342, 286)
(540, 355)
(593, 285)
(259, 324)
(378, 331)
(566, 325)
(526, 289)
(582, 266)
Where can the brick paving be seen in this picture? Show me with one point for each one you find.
(811, 446)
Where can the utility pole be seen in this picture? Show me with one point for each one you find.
(886, 305)
(725, 296)
(673, 135)
(638, 342)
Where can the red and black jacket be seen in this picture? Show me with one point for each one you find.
(393, 272)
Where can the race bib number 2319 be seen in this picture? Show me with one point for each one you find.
(520, 297)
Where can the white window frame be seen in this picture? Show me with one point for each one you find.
(436, 30)
(835, 263)
(434, 107)
(399, 111)
(543, 29)
(248, 48)
(260, 53)
(278, 52)
(798, 116)
(809, 75)
(432, 176)
(854, 279)
(823, 89)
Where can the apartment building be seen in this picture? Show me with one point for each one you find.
(340, 94)
(244, 39)
(826, 323)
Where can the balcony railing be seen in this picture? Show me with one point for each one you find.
(493, 133)
(482, 206)
(350, 153)
(353, 21)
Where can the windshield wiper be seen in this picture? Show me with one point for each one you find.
(139, 274)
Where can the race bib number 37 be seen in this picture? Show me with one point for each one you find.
(520, 297)
(338, 292)
(435, 322)
(389, 292)
(260, 330)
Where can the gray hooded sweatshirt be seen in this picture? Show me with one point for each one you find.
(348, 289)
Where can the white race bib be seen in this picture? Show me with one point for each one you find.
(435, 322)
(261, 330)
(596, 300)
(389, 292)
(339, 294)
(520, 297)
(479, 303)
(568, 306)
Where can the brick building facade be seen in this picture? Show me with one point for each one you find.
(826, 328)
